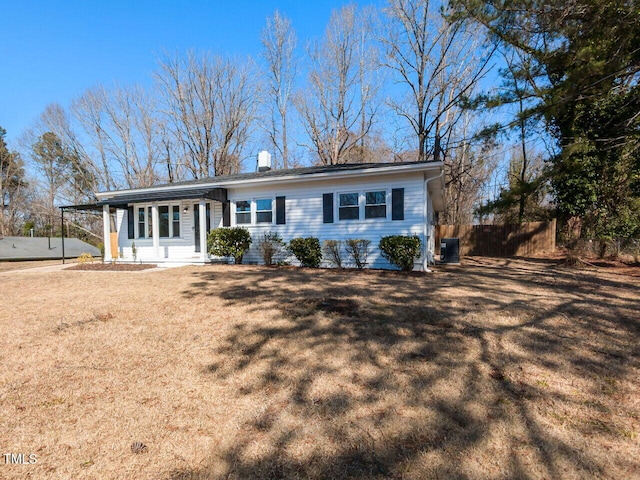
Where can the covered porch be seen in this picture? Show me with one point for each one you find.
(168, 226)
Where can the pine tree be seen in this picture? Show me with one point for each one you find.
(581, 64)
(12, 184)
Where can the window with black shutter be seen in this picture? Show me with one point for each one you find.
(226, 214)
(281, 216)
(327, 208)
(131, 223)
(397, 204)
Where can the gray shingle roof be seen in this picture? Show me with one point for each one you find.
(284, 173)
(37, 248)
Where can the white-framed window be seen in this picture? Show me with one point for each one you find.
(142, 222)
(169, 219)
(243, 212)
(375, 204)
(254, 211)
(163, 221)
(264, 210)
(363, 205)
(175, 221)
(349, 206)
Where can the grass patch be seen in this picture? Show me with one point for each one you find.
(495, 369)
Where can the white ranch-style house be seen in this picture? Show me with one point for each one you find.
(169, 223)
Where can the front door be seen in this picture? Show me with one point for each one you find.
(196, 223)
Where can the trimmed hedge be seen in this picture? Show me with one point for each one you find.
(307, 251)
(229, 242)
(401, 250)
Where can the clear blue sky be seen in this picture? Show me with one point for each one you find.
(51, 51)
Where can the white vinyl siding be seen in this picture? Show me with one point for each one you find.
(305, 208)
(304, 216)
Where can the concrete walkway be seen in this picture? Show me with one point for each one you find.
(56, 268)
(48, 268)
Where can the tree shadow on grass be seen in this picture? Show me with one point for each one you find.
(380, 375)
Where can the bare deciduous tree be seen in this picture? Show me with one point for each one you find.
(279, 42)
(468, 169)
(88, 111)
(133, 134)
(210, 107)
(437, 62)
(124, 129)
(337, 107)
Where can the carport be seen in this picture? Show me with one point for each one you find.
(86, 208)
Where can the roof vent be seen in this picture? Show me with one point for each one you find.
(264, 161)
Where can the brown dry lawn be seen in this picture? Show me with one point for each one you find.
(494, 369)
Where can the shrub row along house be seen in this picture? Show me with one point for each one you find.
(169, 223)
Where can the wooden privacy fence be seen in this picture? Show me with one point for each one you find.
(508, 240)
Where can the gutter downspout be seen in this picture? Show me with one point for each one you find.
(427, 221)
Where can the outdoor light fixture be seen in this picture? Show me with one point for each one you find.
(185, 209)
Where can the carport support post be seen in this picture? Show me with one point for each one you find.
(106, 227)
(62, 233)
(202, 206)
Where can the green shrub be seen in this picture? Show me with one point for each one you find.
(229, 242)
(401, 250)
(358, 250)
(271, 246)
(332, 250)
(307, 251)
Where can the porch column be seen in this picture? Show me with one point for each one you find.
(155, 230)
(106, 228)
(202, 210)
(428, 237)
(425, 236)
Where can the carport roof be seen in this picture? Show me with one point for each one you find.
(216, 193)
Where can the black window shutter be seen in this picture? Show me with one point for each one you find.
(226, 214)
(281, 216)
(130, 223)
(397, 204)
(327, 208)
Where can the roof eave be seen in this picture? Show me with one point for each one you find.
(303, 177)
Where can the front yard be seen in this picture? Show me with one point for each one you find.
(495, 369)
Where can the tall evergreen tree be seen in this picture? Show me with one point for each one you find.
(580, 63)
(12, 185)
(50, 157)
